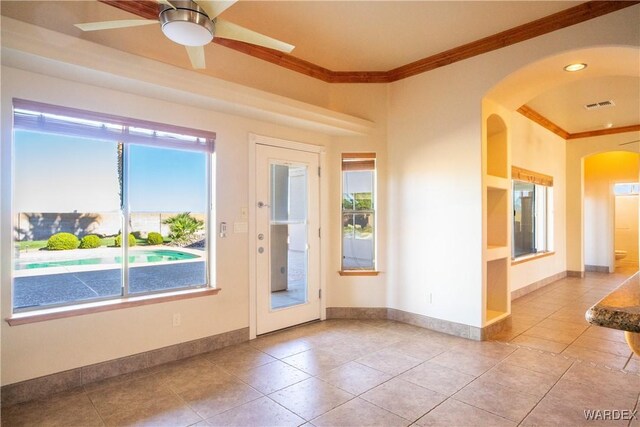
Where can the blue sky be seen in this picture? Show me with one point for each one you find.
(63, 174)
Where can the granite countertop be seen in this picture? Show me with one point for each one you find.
(620, 309)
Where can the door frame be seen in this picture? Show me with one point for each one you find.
(255, 140)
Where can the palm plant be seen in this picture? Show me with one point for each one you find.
(183, 226)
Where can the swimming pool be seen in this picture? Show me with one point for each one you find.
(137, 257)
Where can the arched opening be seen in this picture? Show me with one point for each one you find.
(536, 147)
(610, 209)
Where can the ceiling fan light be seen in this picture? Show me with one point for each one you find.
(578, 66)
(187, 33)
(187, 26)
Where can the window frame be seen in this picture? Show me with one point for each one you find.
(158, 135)
(542, 224)
(364, 157)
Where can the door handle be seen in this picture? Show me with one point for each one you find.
(263, 205)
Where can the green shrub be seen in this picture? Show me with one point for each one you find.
(62, 242)
(132, 240)
(90, 241)
(154, 238)
(183, 226)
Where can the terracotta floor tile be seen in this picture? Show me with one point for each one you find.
(521, 379)
(595, 356)
(437, 378)
(311, 398)
(539, 343)
(586, 396)
(606, 346)
(354, 377)
(456, 413)
(605, 334)
(465, 362)
(168, 411)
(556, 335)
(213, 398)
(552, 411)
(64, 409)
(272, 376)
(316, 361)
(546, 363)
(260, 412)
(405, 399)
(497, 399)
(358, 412)
(392, 361)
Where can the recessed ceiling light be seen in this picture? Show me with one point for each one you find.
(608, 125)
(575, 67)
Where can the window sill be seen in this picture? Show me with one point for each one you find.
(358, 273)
(98, 307)
(533, 257)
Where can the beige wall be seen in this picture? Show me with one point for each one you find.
(601, 171)
(538, 149)
(626, 230)
(434, 175)
(42, 348)
(427, 133)
(577, 151)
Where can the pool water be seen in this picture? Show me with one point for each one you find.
(139, 257)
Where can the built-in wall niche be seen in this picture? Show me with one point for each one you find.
(497, 212)
(497, 162)
(497, 289)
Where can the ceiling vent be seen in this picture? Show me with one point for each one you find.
(601, 104)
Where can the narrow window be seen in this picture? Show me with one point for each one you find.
(358, 211)
(532, 213)
(106, 207)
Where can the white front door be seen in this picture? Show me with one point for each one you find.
(287, 237)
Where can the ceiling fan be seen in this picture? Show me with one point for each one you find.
(194, 25)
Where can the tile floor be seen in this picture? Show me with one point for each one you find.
(545, 371)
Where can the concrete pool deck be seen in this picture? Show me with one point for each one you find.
(51, 289)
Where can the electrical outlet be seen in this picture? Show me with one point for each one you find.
(430, 298)
(176, 320)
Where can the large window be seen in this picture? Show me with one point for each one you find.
(358, 211)
(106, 207)
(532, 214)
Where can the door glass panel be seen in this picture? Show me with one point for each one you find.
(289, 251)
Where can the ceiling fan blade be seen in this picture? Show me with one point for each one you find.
(166, 2)
(229, 30)
(215, 7)
(109, 25)
(196, 56)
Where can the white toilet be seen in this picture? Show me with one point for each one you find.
(620, 254)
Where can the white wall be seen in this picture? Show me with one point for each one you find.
(435, 239)
(601, 171)
(42, 348)
(538, 149)
(427, 137)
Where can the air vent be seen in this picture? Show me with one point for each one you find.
(601, 104)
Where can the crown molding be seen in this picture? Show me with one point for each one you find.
(568, 17)
(610, 131)
(534, 116)
(538, 118)
(32, 48)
